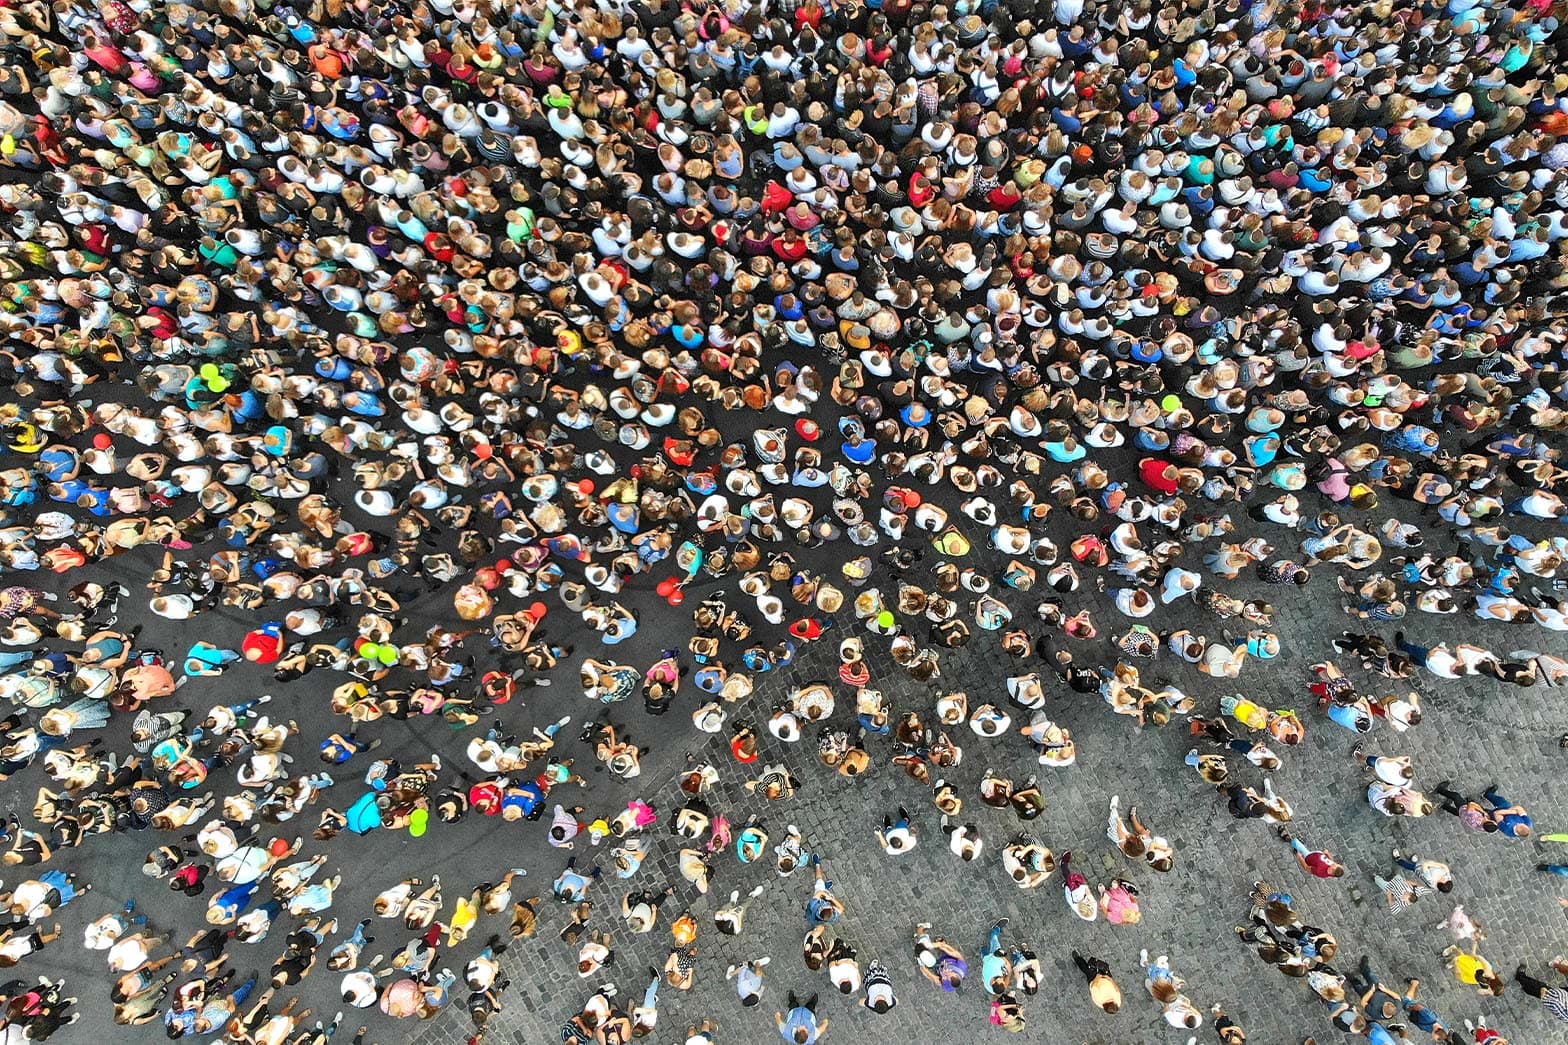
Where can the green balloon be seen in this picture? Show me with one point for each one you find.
(387, 655)
(1170, 403)
(885, 619)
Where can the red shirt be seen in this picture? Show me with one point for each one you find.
(1152, 470)
(806, 628)
(1320, 865)
(267, 647)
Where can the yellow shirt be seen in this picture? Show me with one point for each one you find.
(1468, 967)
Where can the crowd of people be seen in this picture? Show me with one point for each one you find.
(434, 348)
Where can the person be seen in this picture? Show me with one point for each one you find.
(822, 907)
(996, 967)
(800, 1026)
(1434, 874)
(1553, 999)
(748, 980)
(1315, 862)
(939, 961)
(897, 837)
(1103, 990)
(1513, 821)
(1473, 970)
(879, 998)
(1420, 1014)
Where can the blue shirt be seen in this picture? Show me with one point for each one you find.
(800, 1018)
(1377, 1034)
(1511, 824)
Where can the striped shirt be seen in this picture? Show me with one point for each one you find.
(1400, 892)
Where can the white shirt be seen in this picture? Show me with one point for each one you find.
(359, 989)
(101, 934)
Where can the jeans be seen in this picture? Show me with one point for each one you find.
(1417, 653)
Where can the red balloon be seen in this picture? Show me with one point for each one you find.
(103, 440)
(537, 611)
(585, 486)
(666, 587)
(676, 597)
(483, 451)
(911, 499)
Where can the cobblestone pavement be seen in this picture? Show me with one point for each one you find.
(1476, 731)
